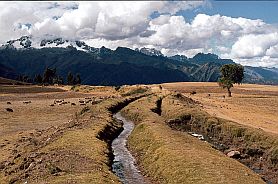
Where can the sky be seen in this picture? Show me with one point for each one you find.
(245, 31)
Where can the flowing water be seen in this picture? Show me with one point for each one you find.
(124, 163)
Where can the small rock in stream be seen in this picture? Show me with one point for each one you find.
(233, 154)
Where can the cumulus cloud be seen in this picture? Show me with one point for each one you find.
(258, 49)
(201, 29)
(264, 61)
(249, 46)
(108, 20)
(130, 24)
(272, 51)
(15, 14)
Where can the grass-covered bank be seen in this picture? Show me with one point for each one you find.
(256, 149)
(169, 156)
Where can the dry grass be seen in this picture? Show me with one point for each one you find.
(259, 147)
(77, 151)
(252, 105)
(59, 135)
(170, 156)
(20, 89)
(61, 143)
(68, 137)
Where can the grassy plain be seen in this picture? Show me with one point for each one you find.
(61, 134)
(54, 134)
(250, 104)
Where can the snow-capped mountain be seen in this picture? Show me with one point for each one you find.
(26, 42)
(149, 51)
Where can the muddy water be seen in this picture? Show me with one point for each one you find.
(124, 163)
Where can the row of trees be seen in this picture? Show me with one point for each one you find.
(50, 77)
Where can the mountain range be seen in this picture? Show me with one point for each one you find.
(103, 66)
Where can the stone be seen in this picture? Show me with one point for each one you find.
(233, 154)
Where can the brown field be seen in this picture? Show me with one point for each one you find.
(252, 105)
(38, 114)
(46, 142)
(43, 141)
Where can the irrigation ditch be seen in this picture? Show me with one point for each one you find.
(253, 148)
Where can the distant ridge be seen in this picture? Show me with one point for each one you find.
(102, 66)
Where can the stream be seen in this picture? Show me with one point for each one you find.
(124, 163)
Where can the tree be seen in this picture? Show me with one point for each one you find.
(231, 74)
(58, 80)
(78, 79)
(38, 79)
(49, 75)
(70, 78)
(24, 78)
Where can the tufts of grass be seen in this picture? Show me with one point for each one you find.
(136, 91)
(274, 156)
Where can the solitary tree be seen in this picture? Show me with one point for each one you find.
(231, 74)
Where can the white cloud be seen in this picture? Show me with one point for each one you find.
(14, 14)
(112, 44)
(251, 45)
(174, 7)
(272, 51)
(223, 49)
(264, 61)
(256, 50)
